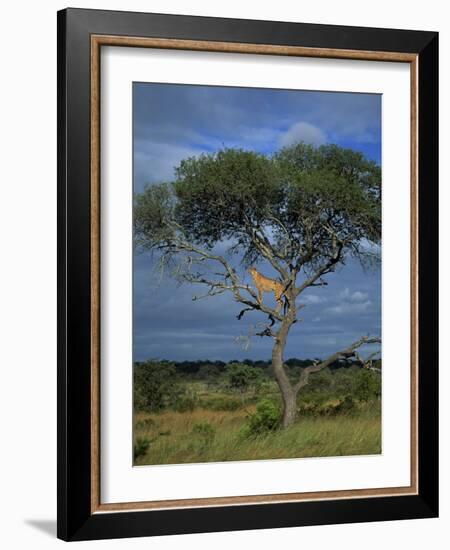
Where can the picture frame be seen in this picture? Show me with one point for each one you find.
(81, 36)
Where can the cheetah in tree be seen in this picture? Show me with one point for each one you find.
(264, 284)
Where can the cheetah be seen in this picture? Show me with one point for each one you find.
(264, 284)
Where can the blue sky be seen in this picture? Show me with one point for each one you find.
(172, 122)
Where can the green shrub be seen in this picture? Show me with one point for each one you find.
(141, 447)
(321, 382)
(205, 432)
(209, 373)
(368, 385)
(266, 418)
(345, 406)
(185, 402)
(242, 377)
(155, 385)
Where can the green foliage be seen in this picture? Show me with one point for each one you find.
(344, 380)
(266, 418)
(159, 386)
(140, 447)
(183, 402)
(205, 432)
(321, 382)
(354, 382)
(156, 385)
(209, 373)
(241, 377)
(214, 191)
(345, 406)
(302, 195)
(368, 385)
(153, 212)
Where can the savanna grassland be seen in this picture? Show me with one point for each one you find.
(214, 412)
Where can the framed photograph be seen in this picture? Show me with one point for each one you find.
(247, 274)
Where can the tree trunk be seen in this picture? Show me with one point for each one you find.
(290, 408)
(288, 392)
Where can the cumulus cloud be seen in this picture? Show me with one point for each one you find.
(155, 162)
(356, 296)
(350, 303)
(303, 131)
(312, 299)
(349, 308)
(359, 296)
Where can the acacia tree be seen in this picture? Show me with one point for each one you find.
(303, 210)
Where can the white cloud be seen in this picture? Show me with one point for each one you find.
(349, 308)
(303, 131)
(312, 299)
(356, 296)
(156, 162)
(355, 116)
(344, 294)
(359, 296)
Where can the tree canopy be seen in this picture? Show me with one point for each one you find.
(303, 208)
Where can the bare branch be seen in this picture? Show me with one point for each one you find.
(233, 283)
(266, 332)
(368, 362)
(320, 283)
(343, 354)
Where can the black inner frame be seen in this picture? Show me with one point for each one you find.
(75, 521)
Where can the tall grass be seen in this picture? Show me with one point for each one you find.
(175, 437)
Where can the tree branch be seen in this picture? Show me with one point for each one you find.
(234, 285)
(323, 270)
(367, 363)
(264, 246)
(344, 354)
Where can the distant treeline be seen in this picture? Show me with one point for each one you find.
(204, 368)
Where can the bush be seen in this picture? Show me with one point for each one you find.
(141, 447)
(241, 377)
(321, 382)
(156, 385)
(185, 402)
(345, 406)
(209, 373)
(266, 418)
(368, 385)
(205, 432)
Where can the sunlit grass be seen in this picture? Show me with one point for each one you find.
(173, 439)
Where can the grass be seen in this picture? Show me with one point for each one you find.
(175, 437)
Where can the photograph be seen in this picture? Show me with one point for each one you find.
(257, 262)
(247, 274)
